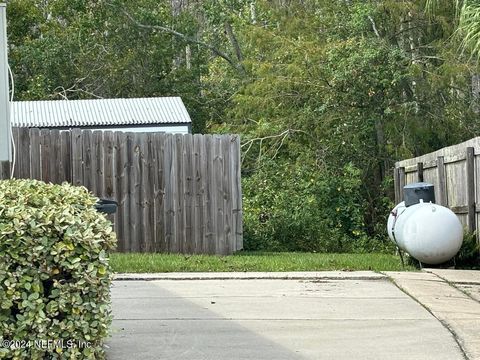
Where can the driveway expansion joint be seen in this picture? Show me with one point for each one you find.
(307, 276)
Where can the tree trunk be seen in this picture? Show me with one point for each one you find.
(253, 13)
(414, 56)
(188, 57)
(233, 41)
(178, 6)
(380, 140)
(476, 93)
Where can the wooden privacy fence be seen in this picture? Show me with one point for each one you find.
(176, 193)
(454, 172)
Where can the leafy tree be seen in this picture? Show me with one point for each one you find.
(366, 84)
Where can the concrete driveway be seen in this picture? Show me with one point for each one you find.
(325, 315)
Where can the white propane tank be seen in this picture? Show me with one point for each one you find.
(429, 232)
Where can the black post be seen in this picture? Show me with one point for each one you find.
(420, 171)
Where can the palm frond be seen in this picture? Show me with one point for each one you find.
(433, 6)
(469, 28)
(467, 18)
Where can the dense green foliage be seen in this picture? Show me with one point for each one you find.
(292, 206)
(54, 272)
(325, 94)
(468, 257)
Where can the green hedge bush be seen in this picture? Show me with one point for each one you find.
(54, 272)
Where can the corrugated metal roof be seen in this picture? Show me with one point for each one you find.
(95, 112)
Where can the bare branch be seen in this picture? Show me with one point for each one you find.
(184, 37)
(279, 146)
(233, 41)
(64, 92)
(280, 140)
(266, 137)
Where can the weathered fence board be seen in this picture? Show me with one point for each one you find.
(237, 200)
(176, 193)
(188, 156)
(200, 167)
(122, 197)
(159, 191)
(210, 196)
(441, 189)
(76, 156)
(178, 210)
(454, 171)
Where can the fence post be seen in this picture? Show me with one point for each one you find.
(420, 171)
(471, 188)
(442, 183)
(401, 182)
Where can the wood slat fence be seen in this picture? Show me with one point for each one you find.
(454, 172)
(176, 193)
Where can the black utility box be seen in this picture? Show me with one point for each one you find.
(106, 206)
(412, 193)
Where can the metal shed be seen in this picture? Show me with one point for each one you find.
(157, 114)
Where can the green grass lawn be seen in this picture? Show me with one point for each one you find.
(254, 261)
